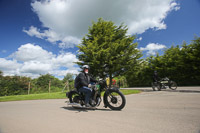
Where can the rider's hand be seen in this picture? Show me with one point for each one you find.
(89, 85)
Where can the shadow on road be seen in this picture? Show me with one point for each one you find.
(168, 90)
(184, 91)
(84, 109)
(75, 109)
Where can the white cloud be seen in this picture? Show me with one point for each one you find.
(32, 60)
(53, 37)
(68, 20)
(69, 42)
(174, 6)
(30, 52)
(62, 73)
(36, 67)
(152, 48)
(7, 65)
(33, 31)
(139, 39)
(65, 60)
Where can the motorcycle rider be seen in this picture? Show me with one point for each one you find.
(82, 83)
(156, 78)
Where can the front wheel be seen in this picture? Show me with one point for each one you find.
(114, 99)
(172, 85)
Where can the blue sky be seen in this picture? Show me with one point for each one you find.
(39, 37)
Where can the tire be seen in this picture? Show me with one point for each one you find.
(173, 85)
(156, 86)
(114, 99)
(153, 86)
(159, 87)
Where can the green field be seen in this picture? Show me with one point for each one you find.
(56, 95)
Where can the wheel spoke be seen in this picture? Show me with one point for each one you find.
(114, 99)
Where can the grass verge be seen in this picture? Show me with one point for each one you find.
(55, 95)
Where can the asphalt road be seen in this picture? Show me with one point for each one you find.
(147, 112)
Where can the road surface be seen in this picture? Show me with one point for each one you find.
(147, 112)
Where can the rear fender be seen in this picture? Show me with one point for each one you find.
(69, 94)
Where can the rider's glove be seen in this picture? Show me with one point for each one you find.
(89, 85)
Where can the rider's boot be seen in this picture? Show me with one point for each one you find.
(87, 105)
(92, 102)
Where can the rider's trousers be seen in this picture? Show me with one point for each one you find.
(87, 91)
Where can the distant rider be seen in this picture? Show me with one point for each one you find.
(82, 83)
(156, 78)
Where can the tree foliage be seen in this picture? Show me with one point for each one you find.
(42, 83)
(18, 85)
(13, 85)
(68, 77)
(108, 50)
(179, 63)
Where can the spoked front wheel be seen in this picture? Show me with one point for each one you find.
(115, 100)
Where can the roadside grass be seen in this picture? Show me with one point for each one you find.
(55, 95)
(129, 91)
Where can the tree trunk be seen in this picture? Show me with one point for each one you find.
(49, 86)
(29, 87)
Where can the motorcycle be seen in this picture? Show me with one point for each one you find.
(112, 98)
(164, 83)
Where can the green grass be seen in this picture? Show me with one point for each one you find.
(55, 95)
(128, 92)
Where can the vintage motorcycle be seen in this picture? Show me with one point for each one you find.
(112, 98)
(164, 83)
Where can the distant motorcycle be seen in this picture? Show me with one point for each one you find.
(164, 83)
(112, 98)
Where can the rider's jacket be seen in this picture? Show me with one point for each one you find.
(155, 77)
(83, 79)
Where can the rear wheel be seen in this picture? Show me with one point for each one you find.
(153, 86)
(74, 97)
(172, 85)
(115, 99)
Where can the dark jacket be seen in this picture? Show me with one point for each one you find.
(83, 80)
(156, 78)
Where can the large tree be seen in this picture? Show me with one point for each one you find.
(108, 50)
